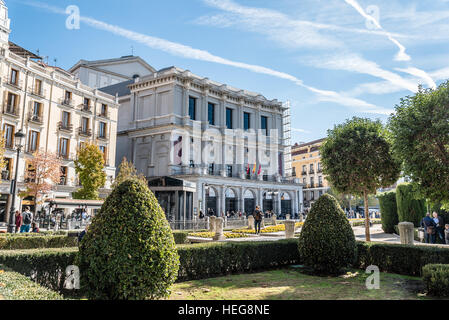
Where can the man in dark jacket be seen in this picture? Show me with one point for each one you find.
(258, 216)
(429, 228)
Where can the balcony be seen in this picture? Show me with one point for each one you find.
(312, 185)
(103, 136)
(320, 185)
(84, 132)
(85, 108)
(6, 175)
(35, 118)
(319, 170)
(104, 115)
(66, 156)
(38, 92)
(18, 84)
(65, 127)
(63, 181)
(11, 110)
(304, 173)
(66, 102)
(311, 171)
(9, 144)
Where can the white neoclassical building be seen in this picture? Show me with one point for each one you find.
(55, 112)
(206, 146)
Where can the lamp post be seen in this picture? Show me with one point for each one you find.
(12, 219)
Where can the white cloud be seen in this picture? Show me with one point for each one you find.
(419, 73)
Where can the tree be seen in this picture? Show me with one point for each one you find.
(327, 242)
(129, 251)
(388, 210)
(421, 141)
(127, 171)
(42, 174)
(89, 166)
(409, 205)
(357, 159)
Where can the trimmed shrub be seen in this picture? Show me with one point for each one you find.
(46, 267)
(129, 251)
(216, 259)
(388, 211)
(436, 278)
(401, 259)
(327, 242)
(15, 286)
(180, 236)
(11, 242)
(410, 209)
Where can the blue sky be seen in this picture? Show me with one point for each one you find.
(332, 59)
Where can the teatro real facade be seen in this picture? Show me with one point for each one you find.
(205, 145)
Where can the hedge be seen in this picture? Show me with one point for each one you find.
(410, 209)
(15, 286)
(388, 210)
(180, 237)
(11, 242)
(400, 259)
(436, 278)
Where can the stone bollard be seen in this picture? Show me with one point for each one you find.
(289, 229)
(301, 217)
(407, 232)
(287, 217)
(212, 224)
(273, 219)
(250, 222)
(219, 230)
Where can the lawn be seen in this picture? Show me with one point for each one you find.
(292, 284)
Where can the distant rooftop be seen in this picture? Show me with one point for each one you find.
(120, 89)
(306, 144)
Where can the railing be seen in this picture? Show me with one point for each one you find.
(304, 173)
(35, 118)
(67, 156)
(311, 171)
(40, 92)
(65, 127)
(84, 132)
(63, 181)
(104, 114)
(85, 108)
(9, 144)
(5, 175)
(104, 136)
(17, 84)
(66, 102)
(11, 110)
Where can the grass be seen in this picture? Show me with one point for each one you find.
(293, 284)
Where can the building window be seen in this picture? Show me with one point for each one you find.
(14, 76)
(63, 179)
(192, 108)
(229, 171)
(12, 103)
(103, 150)
(229, 118)
(86, 102)
(304, 170)
(84, 124)
(211, 169)
(103, 110)
(320, 181)
(304, 180)
(37, 109)
(65, 119)
(6, 173)
(264, 124)
(312, 182)
(211, 113)
(64, 148)
(30, 175)
(311, 168)
(33, 141)
(294, 171)
(192, 164)
(246, 121)
(102, 130)
(9, 135)
(38, 87)
(68, 98)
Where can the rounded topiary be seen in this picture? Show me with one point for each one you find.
(388, 211)
(327, 242)
(129, 251)
(410, 207)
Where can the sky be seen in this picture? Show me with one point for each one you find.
(332, 59)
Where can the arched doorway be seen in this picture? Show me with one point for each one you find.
(250, 202)
(286, 204)
(231, 201)
(211, 201)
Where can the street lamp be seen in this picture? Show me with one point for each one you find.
(12, 219)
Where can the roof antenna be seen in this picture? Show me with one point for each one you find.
(55, 60)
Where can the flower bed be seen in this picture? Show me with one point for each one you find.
(228, 235)
(269, 229)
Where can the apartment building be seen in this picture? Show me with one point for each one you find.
(307, 167)
(55, 111)
(204, 145)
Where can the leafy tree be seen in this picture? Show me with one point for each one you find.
(43, 173)
(327, 242)
(89, 166)
(357, 159)
(420, 139)
(409, 205)
(129, 252)
(127, 171)
(388, 210)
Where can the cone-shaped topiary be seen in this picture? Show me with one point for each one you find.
(327, 242)
(129, 251)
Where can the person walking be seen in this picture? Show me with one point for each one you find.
(439, 227)
(258, 215)
(27, 219)
(18, 220)
(429, 228)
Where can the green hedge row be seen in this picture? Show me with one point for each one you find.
(180, 237)
(410, 208)
(15, 286)
(401, 259)
(436, 278)
(388, 210)
(34, 242)
(214, 259)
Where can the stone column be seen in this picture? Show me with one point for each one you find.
(287, 216)
(212, 224)
(407, 232)
(219, 230)
(289, 229)
(273, 219)
(250, 222)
